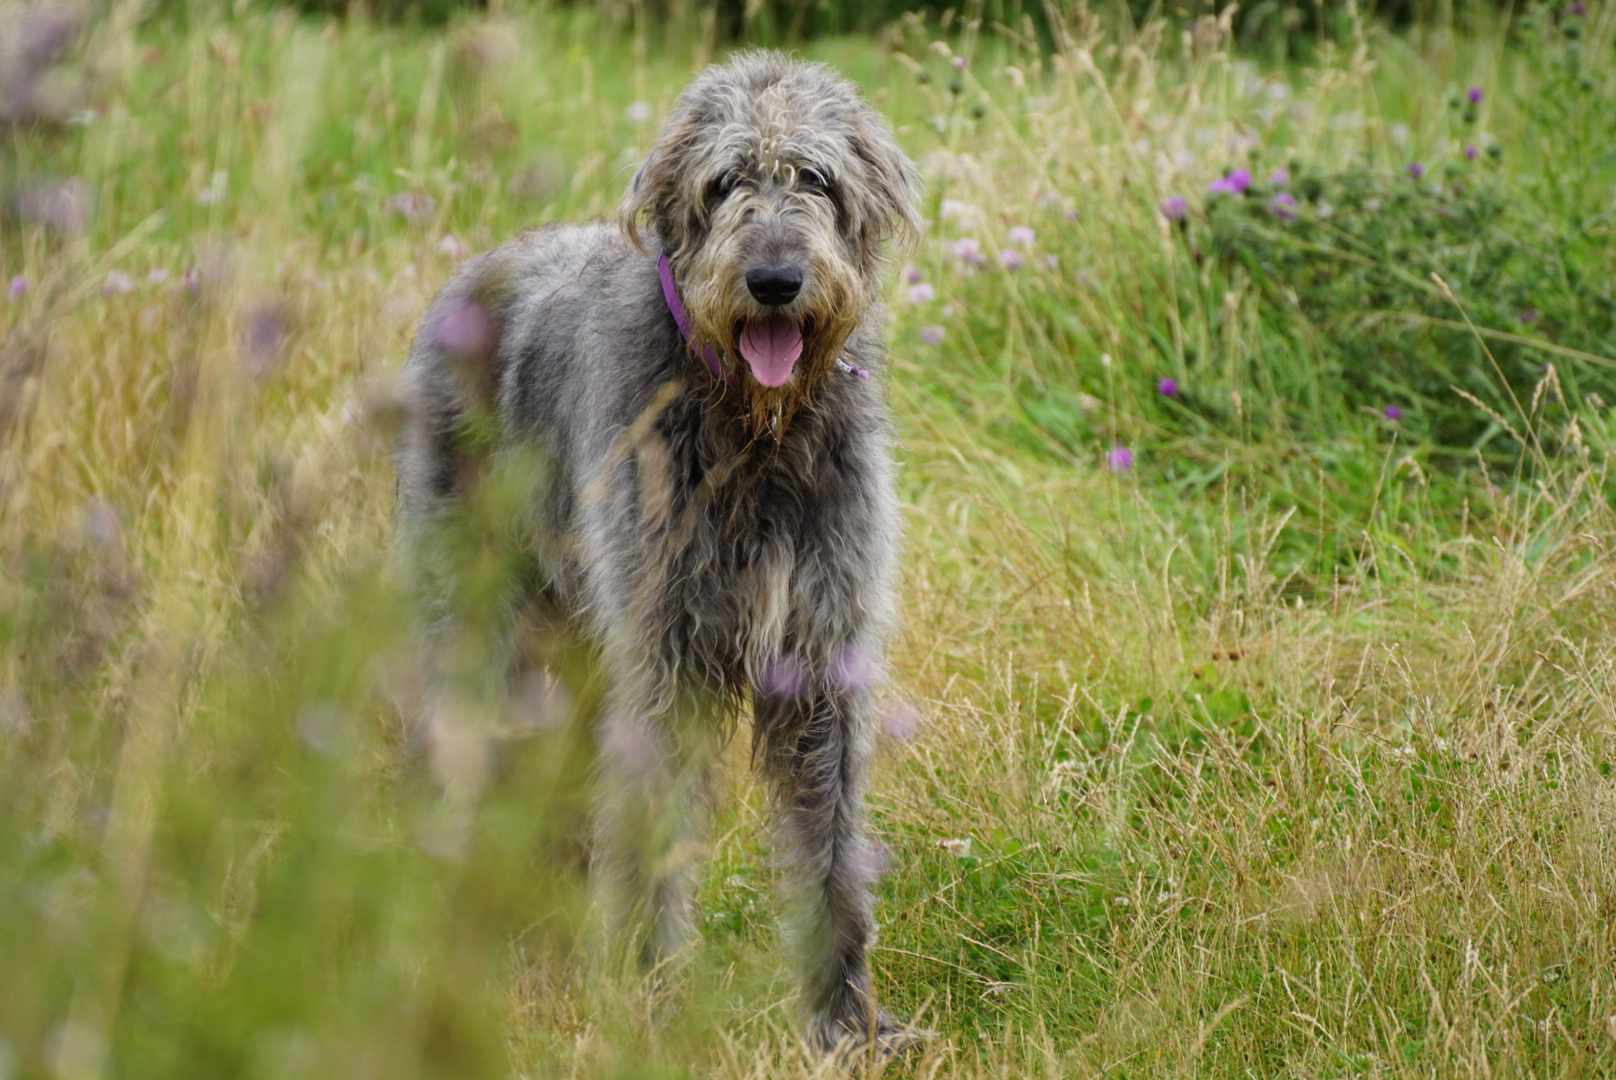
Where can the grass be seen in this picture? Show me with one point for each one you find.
(1286, 751)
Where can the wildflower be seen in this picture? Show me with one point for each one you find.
(1392, 413)
(1474, 96)
(1283, 206)
(1010, 259)
(922, 293)
(638, 112)
(1119, 459)
(1279, 178)
(266, 330)
(967, 251)
(17, 288)
(1167, 386)
(1529, 315)
(1174, 208)
(214, 192)
(852, 668)
(117, 282)
(1021, 236)
(1470, 152)
(959, 63)
(1415, 170)
(465, 329)
(900, 721)
(931, 335)
(412, 206)
(63, 206)
(452, 246)
(911, 274)
(1578, 8)
(1233, 183)
(783, 677)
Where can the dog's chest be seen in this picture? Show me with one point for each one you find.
(772, 572)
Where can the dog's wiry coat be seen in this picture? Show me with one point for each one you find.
(704, 533)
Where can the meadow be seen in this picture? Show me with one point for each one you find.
(1255, 704)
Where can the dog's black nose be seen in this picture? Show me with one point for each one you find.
(774, 285)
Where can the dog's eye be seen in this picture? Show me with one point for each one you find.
(814, 180)
(719, 189)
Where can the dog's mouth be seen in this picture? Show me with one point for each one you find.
(771, 346)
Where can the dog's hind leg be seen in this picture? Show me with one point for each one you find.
(814, 752)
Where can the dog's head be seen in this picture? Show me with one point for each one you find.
(773, 188)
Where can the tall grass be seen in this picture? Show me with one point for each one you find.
(1257, 729)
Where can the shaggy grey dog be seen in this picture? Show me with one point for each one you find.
(716, 512)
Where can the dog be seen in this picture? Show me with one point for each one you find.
(701, 383)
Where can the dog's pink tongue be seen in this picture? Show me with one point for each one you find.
(771, 347)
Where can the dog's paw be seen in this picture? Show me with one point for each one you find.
(849, 1039)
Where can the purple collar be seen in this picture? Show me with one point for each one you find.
(676, 308)
(681, 318)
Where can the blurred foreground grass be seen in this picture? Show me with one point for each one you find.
(1264, 679)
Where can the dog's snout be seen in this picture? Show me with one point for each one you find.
(773, 286)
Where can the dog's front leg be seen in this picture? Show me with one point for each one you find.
(814, 751)
(652, 801)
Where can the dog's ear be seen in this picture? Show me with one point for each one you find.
(654, 192)
(892, 182)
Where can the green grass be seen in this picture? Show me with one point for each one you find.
(1285, 752)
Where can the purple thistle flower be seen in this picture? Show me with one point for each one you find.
(18, 287)
(931, 335)
(63, 206)
(1283, 206)
(852, 668)
(116, 284)
(1577, 8)
(1021, 236)
(900, 721)
(1240, 180)
(99, 524)
(1392, 413)
(452, 246)
(1175, 208)
(465, 329)
(1529, 315)
(783, 677)
(1119, 459)
(968, 251)
(912, 275)
(412, 206)
(1167, 386)
(1474, 96)
(959, 63)
(1470, 152)
(267, 328)
(922, 293)
(1010, 259)
(1280, 177)
(1415, 170)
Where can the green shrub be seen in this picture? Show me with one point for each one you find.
(1351, 259)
